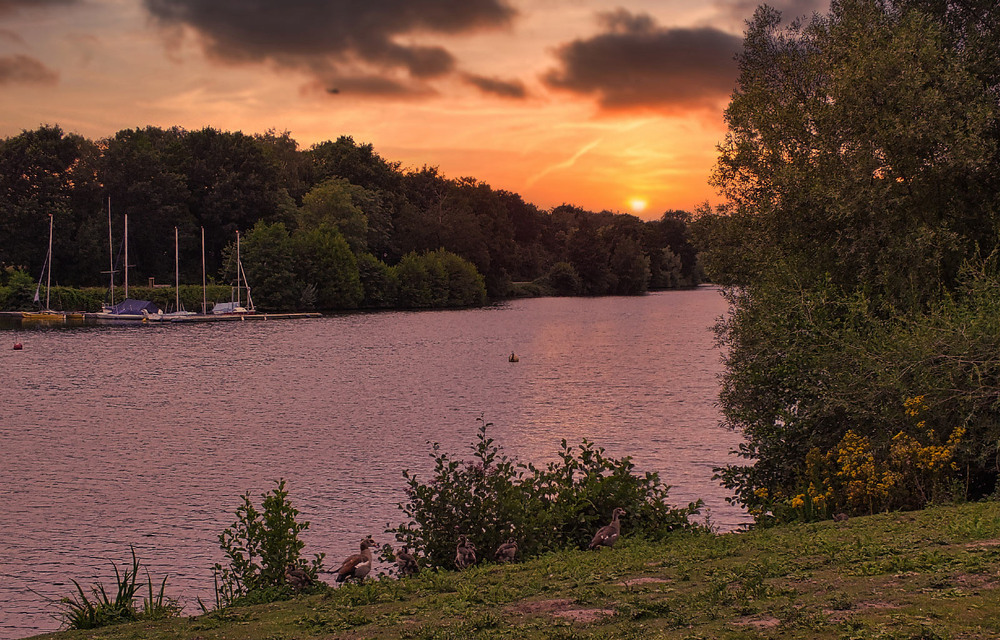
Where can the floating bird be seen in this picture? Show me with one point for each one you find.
(506, 551)
(297, 578)
(358, 565)
(606, 535)
(406, 563)
(465, 553)
(513, 357)
(18, 346)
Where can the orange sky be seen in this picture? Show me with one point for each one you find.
(604, 105)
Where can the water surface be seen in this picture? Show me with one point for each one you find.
(148, 435)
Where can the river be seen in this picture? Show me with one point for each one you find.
(149, 435)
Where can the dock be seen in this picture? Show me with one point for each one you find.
(17, 319)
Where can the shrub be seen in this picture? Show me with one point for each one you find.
(260, 545)
(556, 507)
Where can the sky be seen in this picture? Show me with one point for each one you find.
(605, 105)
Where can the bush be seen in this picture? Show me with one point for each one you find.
(260, 545)
(556, 507)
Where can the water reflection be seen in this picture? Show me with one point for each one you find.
(149, 435)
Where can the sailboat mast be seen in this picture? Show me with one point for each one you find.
(48, 283)
(239, 298)
(126, 255)
(204, 294)
(111, 255)
(177, 274)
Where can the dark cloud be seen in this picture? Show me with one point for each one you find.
(637, 64)
(8, 7)
(496, 86)
(334, 38)
(21, 69)
(740, 11)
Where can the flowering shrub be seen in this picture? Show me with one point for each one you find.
(858, 476)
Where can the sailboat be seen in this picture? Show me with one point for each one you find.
(128, 310)
(235, 305)
(178, 311)
(46, 314)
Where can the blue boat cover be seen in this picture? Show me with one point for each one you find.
(129, 306)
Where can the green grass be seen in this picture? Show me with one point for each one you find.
(933, 574)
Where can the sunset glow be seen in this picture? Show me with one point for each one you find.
(582, 102)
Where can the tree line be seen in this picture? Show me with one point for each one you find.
(859, 249)
(328, 227)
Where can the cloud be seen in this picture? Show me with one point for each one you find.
(336, 39)
(9, 7)
(739, 11)
(637, 64)
(496, 86)
(21, 69)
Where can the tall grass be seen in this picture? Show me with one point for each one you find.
(100, 609)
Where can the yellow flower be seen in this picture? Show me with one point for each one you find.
(798, 501)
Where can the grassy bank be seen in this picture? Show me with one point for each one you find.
(921, 575)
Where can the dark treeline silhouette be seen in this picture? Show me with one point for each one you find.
(226, 182)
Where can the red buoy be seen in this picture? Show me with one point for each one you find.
(18, 346)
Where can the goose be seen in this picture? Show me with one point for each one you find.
(465, 553)
(506, 551)
(606, 535)
(406, 563)
(297, 578)
(358, 565)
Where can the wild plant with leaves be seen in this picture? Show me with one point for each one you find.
(493, 498)
(100, 609)
(260, 545)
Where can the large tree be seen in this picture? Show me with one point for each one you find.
(861, 169)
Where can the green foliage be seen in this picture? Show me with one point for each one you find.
(559, 506)
(325, 262)
(378, 280)
(563, 279)
(101, 609)
(331, 203)
(438, 279)
(860, 260)
(307, 269)
(259, 546)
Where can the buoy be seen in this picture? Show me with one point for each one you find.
(18, 346)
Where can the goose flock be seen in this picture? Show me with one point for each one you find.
(358, 566)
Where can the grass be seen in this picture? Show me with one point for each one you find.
(933, 574)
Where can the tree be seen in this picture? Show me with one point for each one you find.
(326, 265)
(39, 172)
(332, 203)
(268, 258)
(861, 169)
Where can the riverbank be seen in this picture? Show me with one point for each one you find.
(927, 574)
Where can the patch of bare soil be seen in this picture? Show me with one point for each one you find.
(766, 622)
(841, 615)
(561, 608)
(646, 580)
(983, 544)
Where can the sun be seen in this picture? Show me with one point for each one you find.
(638, 205)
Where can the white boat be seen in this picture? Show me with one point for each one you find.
(179, 311)
(235, 305)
